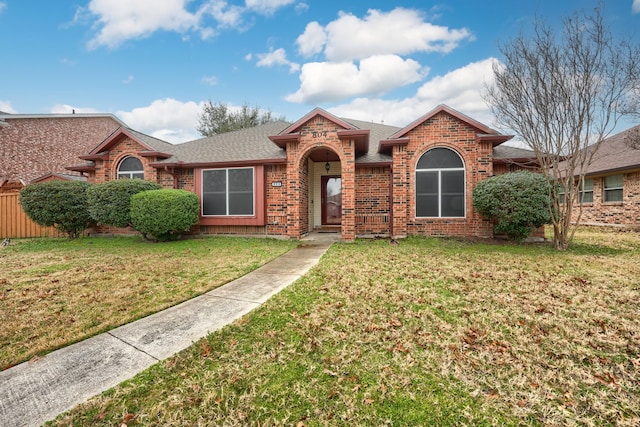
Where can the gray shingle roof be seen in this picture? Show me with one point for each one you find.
(507, 152)
(238, 146)
(616, 153)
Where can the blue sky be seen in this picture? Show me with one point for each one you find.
(154, 62)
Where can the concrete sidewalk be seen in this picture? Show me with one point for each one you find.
(37, 391)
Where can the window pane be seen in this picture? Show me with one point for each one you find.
(613, 181)
(426, 206)
(130, 164)
(240, 204)
(214, 204)
(588, 184)
(240, 180)
(214, 181)
(427, 194)
(452, 193)
(440, 158)
(613, 195)
(587, 197)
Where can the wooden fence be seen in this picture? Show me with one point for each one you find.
(15, 224)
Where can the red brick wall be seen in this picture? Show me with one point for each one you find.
(277, 200)
(624, 214)
(372, 200)
(317, 133)
(33, 147)
(444, 130)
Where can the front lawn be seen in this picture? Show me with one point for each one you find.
(427, 332)
(54, 292)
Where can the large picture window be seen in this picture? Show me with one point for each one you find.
(227, 192)
(130, 167)
(440, 184)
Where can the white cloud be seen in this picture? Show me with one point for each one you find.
(329, 81)
(168, 119)
(636, 6)
(401, 31)
(460, 89)
(128, 80)
(5, 106)
(267, 7)
(3, 6)
(69, 109)
(121, 20)
(276, 57)
(312, 40)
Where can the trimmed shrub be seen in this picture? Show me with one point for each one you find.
(110, 201)
(61, 204)
(518, 202)
(164, 214)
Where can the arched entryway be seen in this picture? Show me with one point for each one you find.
(324, 194)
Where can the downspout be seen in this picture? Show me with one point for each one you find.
(174, 175)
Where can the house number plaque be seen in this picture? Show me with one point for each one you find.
(276, 184)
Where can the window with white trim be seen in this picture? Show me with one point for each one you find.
(130, 167)
(613, 186)
(440, 184)
(227, 192)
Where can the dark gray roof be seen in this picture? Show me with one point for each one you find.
(507, 152)
(618, 152)
(253, 144)
(237, 146)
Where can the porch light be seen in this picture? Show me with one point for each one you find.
(327, 166)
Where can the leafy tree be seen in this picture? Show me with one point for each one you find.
(110, 201)
(219, 118)
(164, 214)
(563, 94)
(518, 202)
(61, 204)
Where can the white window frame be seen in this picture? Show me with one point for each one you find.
(439, 171)
(253, 192)
(129, 174)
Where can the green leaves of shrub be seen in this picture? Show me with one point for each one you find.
(518, 202)
(62, 204)
(110, 201)
(164, 214)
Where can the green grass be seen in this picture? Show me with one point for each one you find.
(427, 332)
(58, 291)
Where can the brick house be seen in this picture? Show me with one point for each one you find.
(40, 146)
(321, 172)
(612, 183)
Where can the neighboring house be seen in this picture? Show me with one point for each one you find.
(355, 177)
(612, 183)
(37, 145)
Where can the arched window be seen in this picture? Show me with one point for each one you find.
(130, 167)
(440, 184)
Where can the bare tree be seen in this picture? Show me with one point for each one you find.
(563, 94)
(219, 118)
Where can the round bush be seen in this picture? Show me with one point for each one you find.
(61, 204)
(518, 202)
(110, 202)
(164, 214)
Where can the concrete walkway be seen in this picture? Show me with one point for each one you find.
(37, 391)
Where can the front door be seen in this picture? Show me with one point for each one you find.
(331, 200)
